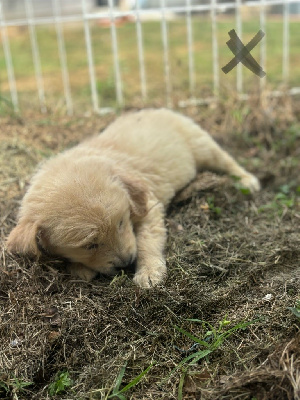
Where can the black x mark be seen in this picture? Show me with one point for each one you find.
(242, 53)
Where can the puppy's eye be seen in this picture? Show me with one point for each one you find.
(92, 246)
(121, 223)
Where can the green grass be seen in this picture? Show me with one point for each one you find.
(61, 384)
(287, 197)
(296, 310)
(127, 43)
(116, 392)
(212, 340)
(14, 387)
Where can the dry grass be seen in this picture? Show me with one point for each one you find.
(277, 378)
(229, 254)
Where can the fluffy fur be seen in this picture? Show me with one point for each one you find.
(101, 204)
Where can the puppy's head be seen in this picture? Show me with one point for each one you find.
(83, 214)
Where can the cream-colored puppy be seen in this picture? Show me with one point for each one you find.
(101, 204)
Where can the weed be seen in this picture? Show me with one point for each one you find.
(62, 383)
(211, 341)
(286, 198)
(296, 310)
(14, 386)
(115, 392)
(212, 207)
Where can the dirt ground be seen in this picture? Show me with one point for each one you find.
(233, 262)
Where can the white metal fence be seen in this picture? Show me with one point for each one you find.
(86, 15)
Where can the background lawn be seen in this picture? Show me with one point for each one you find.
(178, 55)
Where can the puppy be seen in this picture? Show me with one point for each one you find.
(101, 204)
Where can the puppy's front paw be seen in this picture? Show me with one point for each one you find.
(80, 271)
(147, 277)
(250, 182)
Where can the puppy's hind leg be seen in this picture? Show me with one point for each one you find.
(209, 155)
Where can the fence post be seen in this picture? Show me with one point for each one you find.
(8, 62)
(35, 55)
(90, 56)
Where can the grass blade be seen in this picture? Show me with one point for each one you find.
(295, 311)
(205, 323)
(136, 380)
(119, 379)
(223, 336)
(120, 396)
(180, 386)
(194, 338)
(198, 356)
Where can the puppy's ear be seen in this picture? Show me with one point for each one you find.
(138, 196)
(23, 238)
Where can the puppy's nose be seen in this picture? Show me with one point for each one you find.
(124, 262)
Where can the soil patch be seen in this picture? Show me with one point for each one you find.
(232, 258)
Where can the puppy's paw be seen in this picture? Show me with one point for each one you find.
(147, 277)
(250, 182)
(80, 271)
(148, 280)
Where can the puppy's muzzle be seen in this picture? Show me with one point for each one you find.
(123, 262)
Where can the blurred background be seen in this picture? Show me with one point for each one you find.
(105, 54)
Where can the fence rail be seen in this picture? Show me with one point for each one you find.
(137, 15)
